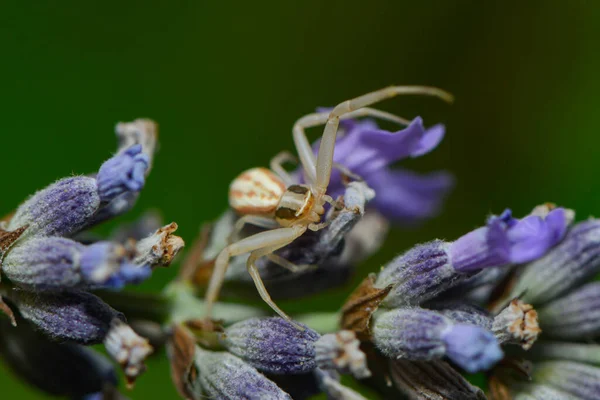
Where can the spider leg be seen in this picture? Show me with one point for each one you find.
(273, 240)
(256, 220)
(287, 264)
(325, 155)
(276, 166)
(303, 147)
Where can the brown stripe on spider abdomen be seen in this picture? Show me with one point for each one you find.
(295, 203)
(256, 191)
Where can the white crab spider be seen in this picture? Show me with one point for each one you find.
(269, 198)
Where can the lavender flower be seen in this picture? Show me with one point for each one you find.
(507, 240)
(223, 376)
(123, 173)
(572, 262)
(52, 263)
(59, 369)
(418, 334)
(368, 151)
(272, 345)
(429, 269)
(67, 206)
(78, 317)
(574, 316)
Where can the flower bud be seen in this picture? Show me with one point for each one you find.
(579, 380)
(272, 345)
(223, 376)
(465, 313)
(58, 369)
(418, 334)
(53, 263)
(572, 262)
(575, 316)
(125, 172)
(74, 316)
(61, 209)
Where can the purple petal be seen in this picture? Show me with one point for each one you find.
(408, 196)
(432, 138)
(532, 236)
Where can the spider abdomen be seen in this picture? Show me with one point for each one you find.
(256, 191)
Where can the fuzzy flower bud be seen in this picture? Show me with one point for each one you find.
(160, 248)
(517, 323)
(341, 352)
(127, 348)
(122, 173)
(418, 334)
(418, 275)
(59, 369)
(223, 376)
(579, 380)
(61, 209)
(570, 263)
(272, 345)
(575, 316)
(465, 313)
(79, 317)
(52, 263)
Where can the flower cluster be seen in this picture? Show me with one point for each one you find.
(513, 299)
(51, 267)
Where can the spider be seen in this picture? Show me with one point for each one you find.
(270, 199)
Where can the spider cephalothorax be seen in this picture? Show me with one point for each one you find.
(271, 199)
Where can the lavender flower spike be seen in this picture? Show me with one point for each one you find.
(223, 376)
(272, 345)
(418, 334)
(507, 240)
(53, 263)
(124, 172)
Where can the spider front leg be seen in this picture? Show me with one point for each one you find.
(303, 147)
(258, 245)
(342, 110)
(256, 220)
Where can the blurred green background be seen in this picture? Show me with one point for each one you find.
(226, 80)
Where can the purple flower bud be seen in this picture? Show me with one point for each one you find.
(572, 262)
(74, 316)
(272, 345)
(471, 347)
(507, 240)
(418, 334)
(534, 391)
(575, 316)
(418, 275)
(579, 380)
(223, 376)
(61, 209)
(59, 369)
(125, 172)
(52, 263)
(464, 313)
